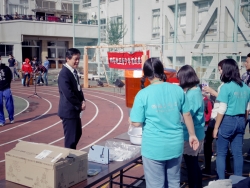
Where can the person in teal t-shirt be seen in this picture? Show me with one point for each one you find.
(229, 128)
(189, 83)
(158, 108)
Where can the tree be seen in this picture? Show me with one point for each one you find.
(115, 31)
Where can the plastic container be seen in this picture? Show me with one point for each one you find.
(135, 135)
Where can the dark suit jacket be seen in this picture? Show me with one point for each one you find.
(70, 98)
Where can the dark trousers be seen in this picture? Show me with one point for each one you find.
(24, 79)
(72, 132)
(193, 171)
(208, 148)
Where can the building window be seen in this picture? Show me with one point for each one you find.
(86, 3)
(103, 26)
(5, 50)
(245, 9)
(182, 15)
(46, 4)
(20, 7)
(102, 1)
(203, 8)
(56, 53)
(156, 23)
(116, 19)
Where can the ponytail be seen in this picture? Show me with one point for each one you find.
(143, 81)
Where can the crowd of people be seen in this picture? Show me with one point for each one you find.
(29, 69)
(177, 124)
(177, 121)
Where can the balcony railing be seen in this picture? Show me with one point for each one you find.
(47, 18)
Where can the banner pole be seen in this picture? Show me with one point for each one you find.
(85, 69)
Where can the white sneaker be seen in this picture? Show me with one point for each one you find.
(12, 121)
(1, 124)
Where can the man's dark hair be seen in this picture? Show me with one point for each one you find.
(37, 64)
(248, 55)
(46, 57)
(230, 72)
(72, 51)
(187, 77)
(153, 68)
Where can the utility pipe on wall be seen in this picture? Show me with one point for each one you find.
(175, 31)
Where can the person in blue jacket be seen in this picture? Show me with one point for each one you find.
(158, 109)
(189, 83)
(229, 128)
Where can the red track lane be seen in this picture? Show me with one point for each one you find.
(110, 109)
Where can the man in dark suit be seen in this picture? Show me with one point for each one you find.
(72, 101)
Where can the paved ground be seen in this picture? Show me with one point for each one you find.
(106, 117)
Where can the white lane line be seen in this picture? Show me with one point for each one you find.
(27, 102)
(53, 89)
(103, 94)
(50, 106)
(31, 134)
(96, 113)
(106, 133)
(119, 122)
(111, 129)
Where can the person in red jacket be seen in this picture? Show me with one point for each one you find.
(27, 71)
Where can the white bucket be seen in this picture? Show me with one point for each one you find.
(135, 135)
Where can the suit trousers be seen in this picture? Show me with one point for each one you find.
(72, 131)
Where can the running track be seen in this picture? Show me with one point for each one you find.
(105, 117)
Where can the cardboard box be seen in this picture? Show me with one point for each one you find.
(42, 165)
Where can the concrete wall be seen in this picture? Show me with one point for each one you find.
(11, 31)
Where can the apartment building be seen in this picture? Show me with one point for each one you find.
(43, 28)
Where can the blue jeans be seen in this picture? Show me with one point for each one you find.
(9, 104)
(162, 174)
(231, 131)
(45, 78)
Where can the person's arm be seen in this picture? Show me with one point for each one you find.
(217, 124)
(208, 89)
(136, 124)
(221, 111)
(193, 141)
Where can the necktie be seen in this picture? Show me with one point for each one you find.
(76, 76)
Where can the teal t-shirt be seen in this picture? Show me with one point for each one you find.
(159, 108)
(196, 103)
(235, 96)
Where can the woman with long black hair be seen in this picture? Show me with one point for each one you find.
(234, 97)
(158, 108)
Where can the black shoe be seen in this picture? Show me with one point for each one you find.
(206, 173)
